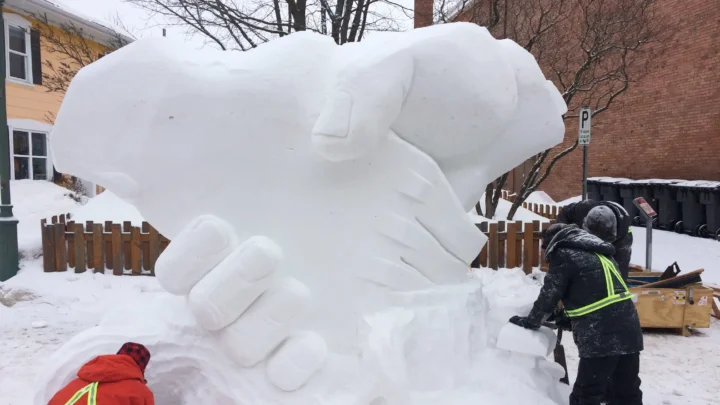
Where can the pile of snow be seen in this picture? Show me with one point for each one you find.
(108, 207)
(540, 197)
(570, 200)
(34, 200)
(502, 211)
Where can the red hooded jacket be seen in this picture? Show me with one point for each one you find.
(121, 382)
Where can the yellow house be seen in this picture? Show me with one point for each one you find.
(31, 108)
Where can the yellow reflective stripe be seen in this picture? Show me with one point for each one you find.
(90, 389)
(614, 271)
(629, 230)
(599, 305)
(609, 271)
(92, 396)
(608, 278)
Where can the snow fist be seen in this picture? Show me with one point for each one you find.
(232, 289)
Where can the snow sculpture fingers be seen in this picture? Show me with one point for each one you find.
(232, 289)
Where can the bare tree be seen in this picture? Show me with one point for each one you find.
(593, 50)
(242, 25)
(74, 49)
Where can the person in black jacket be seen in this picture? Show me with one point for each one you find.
(605, 324)
(621, 238)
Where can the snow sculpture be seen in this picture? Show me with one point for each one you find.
(305, 187)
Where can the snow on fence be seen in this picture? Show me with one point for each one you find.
(548, 211)
(122, 248)
(511, 245)
(129, 250)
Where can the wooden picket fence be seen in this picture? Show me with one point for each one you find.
(122, 248)
(511, 245)
(548, 211)
(129, 250)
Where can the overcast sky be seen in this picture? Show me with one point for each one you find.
(141, 26)
(134, 18)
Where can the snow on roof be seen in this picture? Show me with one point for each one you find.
(58, 13)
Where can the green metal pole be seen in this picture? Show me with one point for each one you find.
(8, 223)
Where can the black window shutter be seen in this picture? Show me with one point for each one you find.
(36, 55)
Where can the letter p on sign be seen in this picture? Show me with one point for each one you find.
(585, 124)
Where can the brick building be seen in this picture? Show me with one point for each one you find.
(665, 126)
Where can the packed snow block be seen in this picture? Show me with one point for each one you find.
(266, 323)
(229, 290)
(300, 358)
(203, 244)
(539, 343)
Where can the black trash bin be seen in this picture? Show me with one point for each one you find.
(668, 210)
(627, 193)
(710, 198)
(693, 213)
(609, 190)
(593, 189)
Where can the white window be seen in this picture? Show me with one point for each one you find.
(17, 44)
(30, 155)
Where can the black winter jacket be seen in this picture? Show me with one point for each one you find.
(575, 213)
(576, 278)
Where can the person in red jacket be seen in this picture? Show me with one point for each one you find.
(114, 379)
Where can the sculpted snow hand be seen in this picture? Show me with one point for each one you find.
(303, 185)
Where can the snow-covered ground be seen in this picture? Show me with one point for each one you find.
(39, 311)
(35, 200)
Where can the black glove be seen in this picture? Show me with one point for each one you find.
(561, 320)
(524, 322)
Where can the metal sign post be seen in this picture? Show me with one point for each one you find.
(585, 120)
(648, 213)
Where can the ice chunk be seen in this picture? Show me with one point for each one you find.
(520, 340)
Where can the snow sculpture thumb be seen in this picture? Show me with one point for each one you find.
(303, 186)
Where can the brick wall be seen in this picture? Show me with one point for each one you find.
(667, 125)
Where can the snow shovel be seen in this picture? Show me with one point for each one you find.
(559, 355)
(537, 343)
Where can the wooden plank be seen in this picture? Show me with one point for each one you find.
(536, 246)
(135, 252)
(127, 249)
(493, 246)
(502, 237)
(117, 250)
(98, 245)
(79, 231)
(528, 238)
(146, 263)
(484, 252)
(60, 246)
(71, 243)
(518, 242)
(716, 310)
(154, 248)
(109, 252)
(54, 219)
(48, 246)
(90, 245)
(511, 242)
(554, 212)
(64, 218)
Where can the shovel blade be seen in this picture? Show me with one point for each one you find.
(539, 343)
